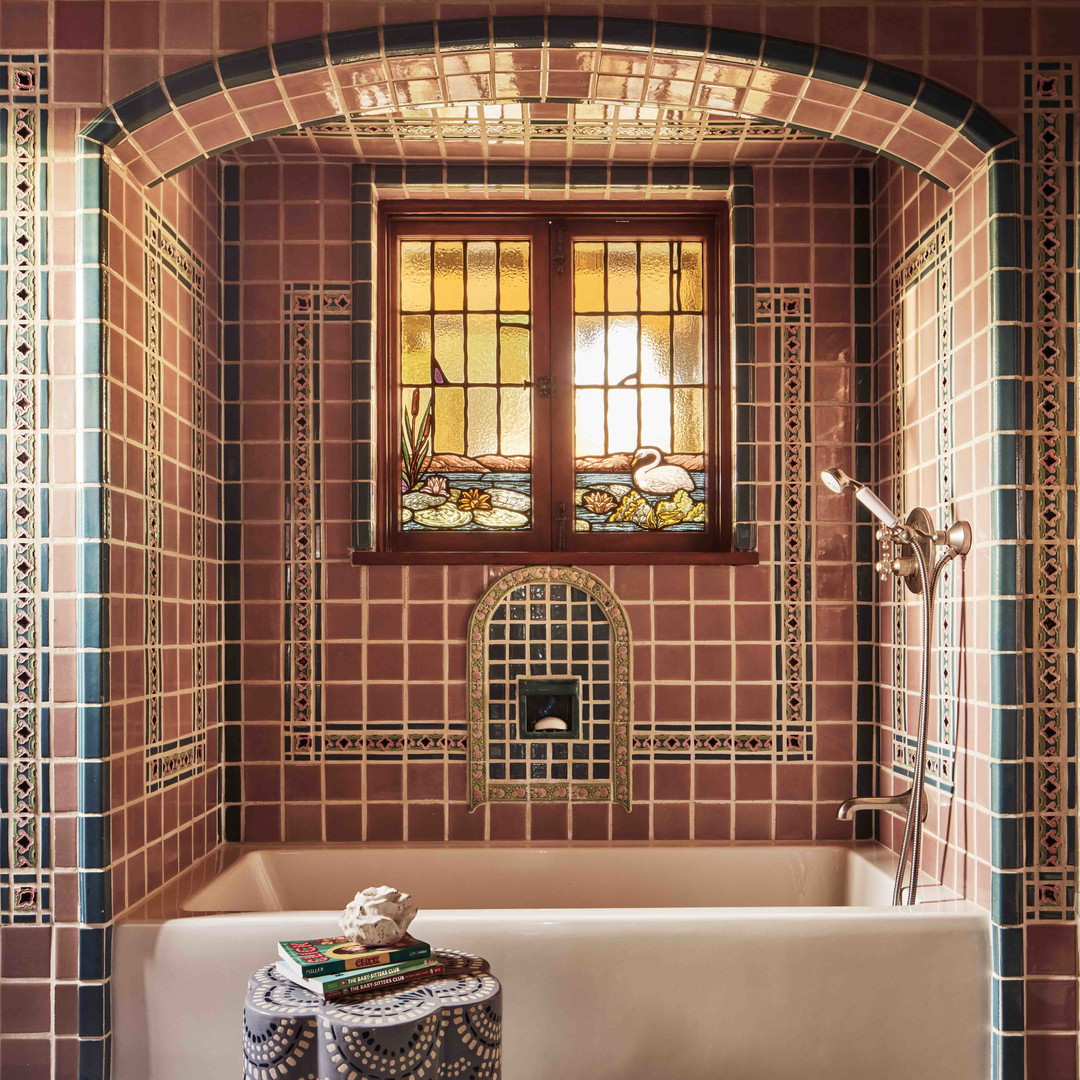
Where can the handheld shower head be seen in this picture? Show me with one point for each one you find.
(837, 481)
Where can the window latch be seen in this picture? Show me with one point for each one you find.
(560, 521)
(545, 386)
(559, 255)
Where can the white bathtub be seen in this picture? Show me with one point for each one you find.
(618, 962)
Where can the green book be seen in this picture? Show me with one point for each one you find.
(352, 982)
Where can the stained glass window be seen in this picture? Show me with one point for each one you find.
(554, 383)
(639, 386)
(465, 341)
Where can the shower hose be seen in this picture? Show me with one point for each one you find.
(928, 578)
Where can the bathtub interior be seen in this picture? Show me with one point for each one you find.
(451, 878)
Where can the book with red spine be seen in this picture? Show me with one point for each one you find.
(327, 956)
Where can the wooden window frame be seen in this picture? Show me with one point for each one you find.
(553, 417)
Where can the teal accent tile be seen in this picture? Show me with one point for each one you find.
(193, 83)
(842, 68)
(1005, 286)
(244, 68)
(734, 45)
(984, 131)
(462, 35)
(1004, 570)
(353, 46)
(301, 54)
(1007, 945)
(95, 898)
(411, 39)
(942, 104)
(573, 31)
(1006, 352)
(892, 83)
(677, 37)
(104, 129)
(1004, 241)
(1006, 727)
(142, 107)
(1003, 514)
(1008, 1004)
(518, 31)
(1005, 407)
(1007, 893)
(1006, 797)
(792, 56)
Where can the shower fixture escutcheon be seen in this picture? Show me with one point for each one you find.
(915, 552)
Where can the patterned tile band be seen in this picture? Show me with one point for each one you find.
(929, 258)
(1050, 122)
(25, 894)
(305, 307)
(788, 311)
(546, 621)
(172, 756)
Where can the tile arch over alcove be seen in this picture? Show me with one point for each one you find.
(196, 113)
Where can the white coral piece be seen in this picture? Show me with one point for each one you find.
(378, 916)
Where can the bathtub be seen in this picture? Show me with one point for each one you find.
(618, 962)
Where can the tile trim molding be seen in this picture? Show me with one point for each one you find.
(284, 60)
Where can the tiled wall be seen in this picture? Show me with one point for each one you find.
(98, 51)
(388, 643)
(164, 526)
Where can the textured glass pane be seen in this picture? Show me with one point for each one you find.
(415, 349)
(513, 276)
(415, 275)
(482, 348)
(656, 419)
(516, 422)
(588, 277)
(622, 277)
(655, 277)
(589, 423)
(449, 290)
(689, 422)
(450, 347)
(449, 420)
(589, 350)
(622, 348)
(655, 349)
(514, 354)
(622, 421)
(483, 437)
(482, 275)
(688, 362)
(690, 277)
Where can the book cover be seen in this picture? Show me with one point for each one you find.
(326, 956)
(348, 981)
(381, 984)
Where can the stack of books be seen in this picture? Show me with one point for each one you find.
(336, 968)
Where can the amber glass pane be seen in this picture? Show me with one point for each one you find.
(415, 275)
(639, 424)
(465, 363)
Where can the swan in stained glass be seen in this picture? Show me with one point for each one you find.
(652, 478)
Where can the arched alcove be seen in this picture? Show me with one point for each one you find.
(199, 112)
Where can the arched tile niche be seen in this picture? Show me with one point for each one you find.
(549, 623)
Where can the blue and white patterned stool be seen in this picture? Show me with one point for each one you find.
(448, 1026)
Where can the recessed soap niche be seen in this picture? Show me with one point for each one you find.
(549, 690)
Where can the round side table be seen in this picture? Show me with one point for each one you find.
(448, 1026)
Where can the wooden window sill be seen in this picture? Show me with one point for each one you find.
(557, 558)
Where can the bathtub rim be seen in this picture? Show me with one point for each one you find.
(169, 901)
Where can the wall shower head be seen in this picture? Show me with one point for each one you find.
(837, 481)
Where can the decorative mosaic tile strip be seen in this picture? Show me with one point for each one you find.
(305, 307)
(390, 742)
(170, 761)
(1050, 122)
(940, 760)
(930, 255)
(549, 621)
(788, 310)
(713, 742)
(24, 886)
